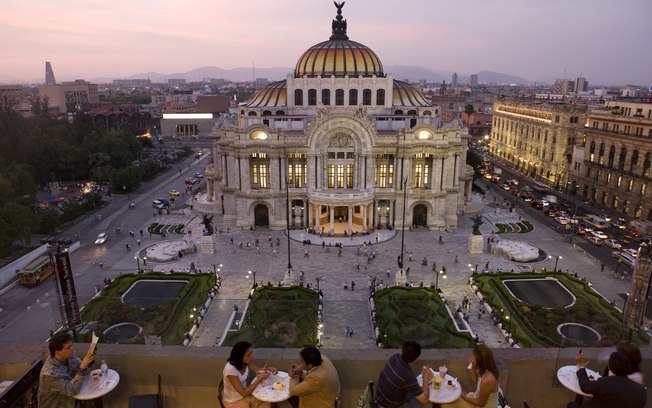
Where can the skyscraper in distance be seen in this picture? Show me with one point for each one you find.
(49, 74)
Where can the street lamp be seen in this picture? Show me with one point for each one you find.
(400, 264)
(137, 263)
(287, 223)
(249, 273)
(319, 279)
(509, 323)
(557, 258)
(441, 272)
(188, 319)
(144, 261)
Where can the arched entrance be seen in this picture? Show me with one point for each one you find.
(420, 215)
(261, 215)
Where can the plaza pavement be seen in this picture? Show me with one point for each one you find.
(342, 307)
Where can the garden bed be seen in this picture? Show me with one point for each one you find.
(416, 314)
(159, 229)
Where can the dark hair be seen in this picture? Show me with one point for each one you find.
(237, 354)
(311, 355)
(411, 351)
(58, 341)
(633, 354)
(618, 363)
(484, 360)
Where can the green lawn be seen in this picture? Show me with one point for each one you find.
(169, 321)
(416, 314)
(535, 326)
(279, 318)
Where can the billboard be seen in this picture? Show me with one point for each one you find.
(66, 283)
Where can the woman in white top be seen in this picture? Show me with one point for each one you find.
(485, 374)
(237, 394)
(633, 354)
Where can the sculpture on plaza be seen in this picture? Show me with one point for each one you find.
(208, 224)
(477, 221)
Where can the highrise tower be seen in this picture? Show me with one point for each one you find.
(49, 74)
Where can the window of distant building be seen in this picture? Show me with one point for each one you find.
(592, 151)
(366, 97)
(259, 163)
(612, 154)
(384, 172)
(634, 161)
(380, 97)
(353, 97)
(312, 97)
(623, 157)
(340, 166)
(326, 97)
(601, 154)
(339, 97)
(646, 165)
(297, 176)
(421, 170)
(298, 97)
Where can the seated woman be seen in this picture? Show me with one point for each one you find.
(237, 394)
(633, 354)
(485, 374)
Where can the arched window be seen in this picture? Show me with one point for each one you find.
(252, 113)
(412, 112)
(267, 113)
(298, 97)
(312, 97)
(646, 165)
(366, 97)
(634, 161)
(592, 148)
(353, 97)
(280, 113)
(339, 97)
(326, 96)
(398, 112)
(380, 97)
(623, 157)
(427, 113)
(612, 154)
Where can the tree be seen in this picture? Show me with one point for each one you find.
(469, 109)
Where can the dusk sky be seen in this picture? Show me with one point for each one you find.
(606, 41)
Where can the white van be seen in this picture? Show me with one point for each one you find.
(158, 204)
(627, 259)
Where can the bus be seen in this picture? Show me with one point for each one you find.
(36, 272)
(596, 222)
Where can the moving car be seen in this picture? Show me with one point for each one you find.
(595, 240)
(199, 175)
(101, 238)
(174, 193)
(562, 220)
(613, 243)
(599, 234)
(191, 181)
(631, 251)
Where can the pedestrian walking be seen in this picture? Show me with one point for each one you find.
(305, 254)
(352, 286)
(141, 233)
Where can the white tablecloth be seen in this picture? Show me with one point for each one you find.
(568, 378)
(445, 394)
(91, 390)
(265, 391)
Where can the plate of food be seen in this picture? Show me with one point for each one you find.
(278, 385)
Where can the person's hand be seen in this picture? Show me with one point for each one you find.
(88, 359)
(272, 370)
(295, 370)
(471, 365)
(581, 361)
(262, 375)
(427, 374)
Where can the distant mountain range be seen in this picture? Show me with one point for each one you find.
(401, 72)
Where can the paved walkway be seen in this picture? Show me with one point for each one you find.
(344, 307)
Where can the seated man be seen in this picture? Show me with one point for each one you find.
(62, 374)
(397, 384)
(321, 385)
(611, 391)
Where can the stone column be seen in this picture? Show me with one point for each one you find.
(310, 209)
(305, 213)
(364, 217)
(318, 211)
(332, 218)
(350, 219)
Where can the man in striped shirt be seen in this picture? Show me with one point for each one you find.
(397, 384)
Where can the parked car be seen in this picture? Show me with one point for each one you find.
(599, 234)
(613, 243)
(199, 175)
(101, 238)
(595, 240)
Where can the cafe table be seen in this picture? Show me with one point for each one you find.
(94, 389)
(269, 391)
(449, 391)
(567, 376)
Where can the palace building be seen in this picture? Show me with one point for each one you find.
(344, 144)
